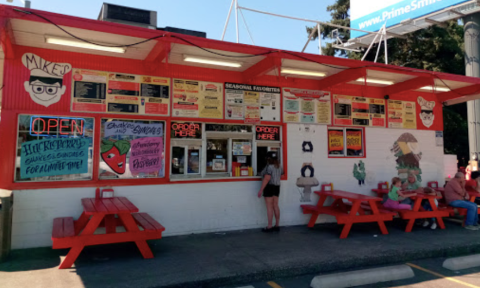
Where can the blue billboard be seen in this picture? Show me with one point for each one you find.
(373, 15)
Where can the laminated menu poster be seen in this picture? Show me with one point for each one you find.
(306, 106)
(401, 114)
(107, 92)
(243, 101)
(197, 99)
(359, 111)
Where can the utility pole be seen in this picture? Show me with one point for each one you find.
(472, 68)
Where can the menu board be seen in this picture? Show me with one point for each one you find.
(252, 103)
(401, 114)
(197, 99)
(306, 106)
(106, 92)
(359, 111)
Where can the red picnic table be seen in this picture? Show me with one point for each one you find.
(68, 233)
(348, 213)
(417, 211)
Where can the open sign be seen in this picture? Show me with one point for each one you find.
(268, 133)
(186, 130)
(57, 126)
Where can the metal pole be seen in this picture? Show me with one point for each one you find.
(246, 26)
(228, 19)
(385, 40)
(378, 49)
(472, 68)
(236, 19)
(309, 38)
(319, 38)
(370, 47)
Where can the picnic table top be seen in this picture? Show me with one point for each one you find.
(114, 205)
(348, 195)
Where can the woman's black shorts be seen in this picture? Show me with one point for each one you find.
(271, 190)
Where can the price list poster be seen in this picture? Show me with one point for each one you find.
(401, 114)
(306, 106)
(359, 111)
(197, 99)
(97, 91)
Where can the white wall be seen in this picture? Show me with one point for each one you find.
(200, 208)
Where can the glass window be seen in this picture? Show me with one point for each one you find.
(217, 155)
(54, 148)
(346, 142)
(131, 149)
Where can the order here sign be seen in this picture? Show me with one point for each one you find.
(269, 133)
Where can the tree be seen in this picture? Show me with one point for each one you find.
(434, 48)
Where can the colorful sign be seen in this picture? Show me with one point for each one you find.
(354, 140)
(132, 129)
(241, 98)
(197, 99)
(53, 156)
(146, 155)
(335, 140)
(306, 106)
(242, 148)
(186, 130)
(98, 91)
(401, 114)
(359, 111)
(267, 133)
(57, 126)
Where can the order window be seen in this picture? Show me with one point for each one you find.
(186, 149)
(346, 142)
(54, 148)
(131, 149)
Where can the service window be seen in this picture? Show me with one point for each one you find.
(267, 139)
(54, 148)
(131, 149)
(186, 145)
(346, 142)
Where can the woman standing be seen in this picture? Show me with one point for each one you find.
(271, 190)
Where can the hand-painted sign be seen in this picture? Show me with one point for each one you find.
(57, 126)
(146, 155)
(133, 129)
(270, 133)
(45, 85)
(50, 157)
(115, 154)
(186, 130)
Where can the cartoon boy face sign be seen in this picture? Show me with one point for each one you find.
(426, 114)
(45, 85)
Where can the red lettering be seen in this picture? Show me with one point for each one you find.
(79, 128)
(50, 126)
(33, 125)
(61, 126)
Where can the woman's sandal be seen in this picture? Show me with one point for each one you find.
(267, 230)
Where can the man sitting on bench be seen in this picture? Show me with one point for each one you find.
(457, 196)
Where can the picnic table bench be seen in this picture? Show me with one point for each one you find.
(417, 211)
(350, 212)
(68, 233)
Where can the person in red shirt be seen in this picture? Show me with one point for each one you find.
(457, 196)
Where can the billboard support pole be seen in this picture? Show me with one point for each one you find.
(228, 19)
(472, 68)
(319, 39)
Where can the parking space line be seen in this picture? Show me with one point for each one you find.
(273, 284)
(442, 276)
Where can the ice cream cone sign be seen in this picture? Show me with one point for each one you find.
(45, 85)
(407, 151)
(426, 113)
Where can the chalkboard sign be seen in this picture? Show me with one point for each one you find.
(361, 122)
(89, 90)
(122, 108)
(377, 109)
(158, 91)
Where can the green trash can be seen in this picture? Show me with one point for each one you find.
(6, 212)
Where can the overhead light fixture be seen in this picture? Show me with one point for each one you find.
(211, 61)
(81, 44)
(302, 72)
(437, 88)
(375, 81)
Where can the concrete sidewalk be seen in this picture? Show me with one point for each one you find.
(235, 258)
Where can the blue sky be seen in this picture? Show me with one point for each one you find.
(210, 15)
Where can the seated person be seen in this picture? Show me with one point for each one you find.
(426, 205)
(392, 201)
(473, 183)
(412, 184)
(457, 196)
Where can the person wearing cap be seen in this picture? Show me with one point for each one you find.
(457, 196)
(271, 190)
(412, 184)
